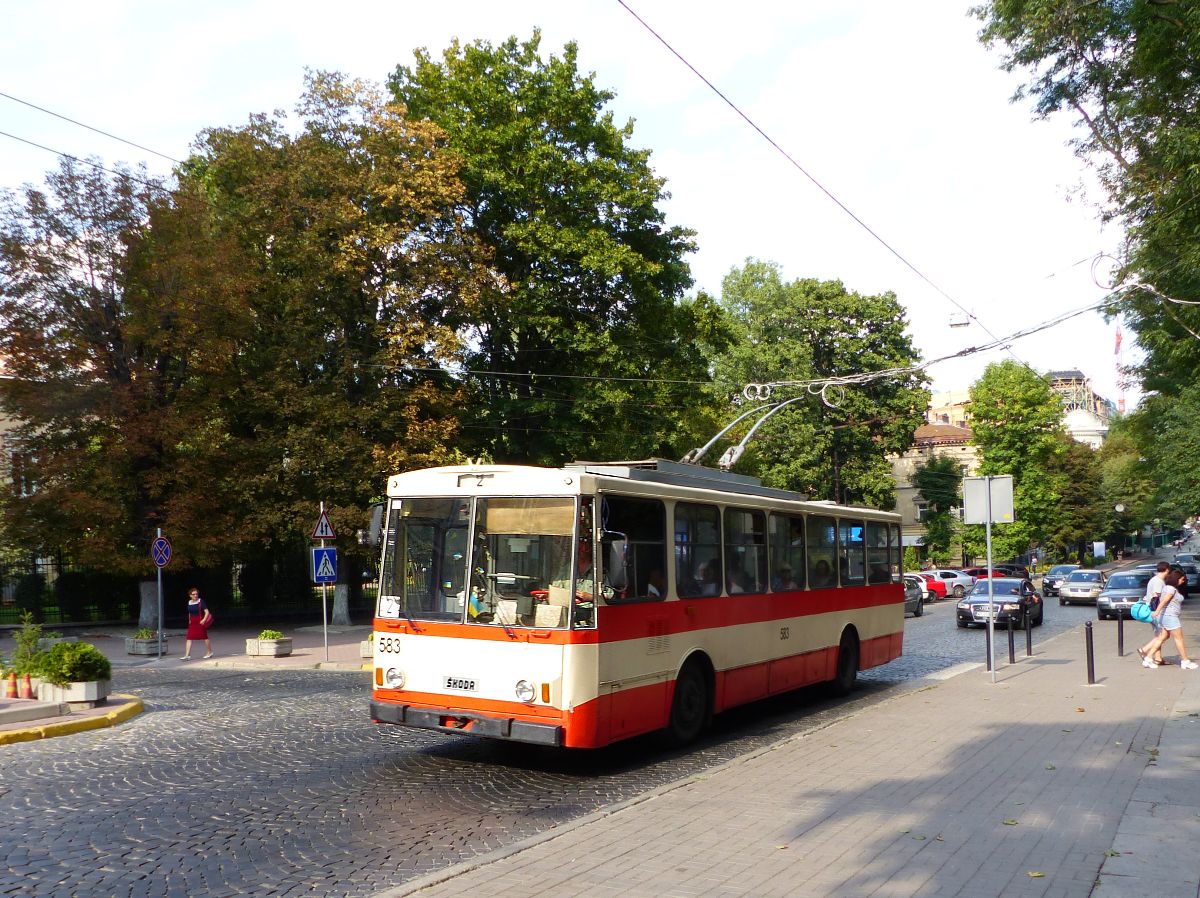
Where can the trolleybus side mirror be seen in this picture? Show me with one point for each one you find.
(616, 558)
(373, 534)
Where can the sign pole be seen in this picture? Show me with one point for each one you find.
(158, 535)
(324, 606)
(991, 587)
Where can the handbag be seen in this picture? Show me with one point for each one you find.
(206, 619)
(1140, 611)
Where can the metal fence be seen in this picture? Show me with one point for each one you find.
(59, 593)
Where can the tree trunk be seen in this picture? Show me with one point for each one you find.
(148, 613)
(341, 604)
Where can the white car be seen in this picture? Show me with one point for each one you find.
(958, 584)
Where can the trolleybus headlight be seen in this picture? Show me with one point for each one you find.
(394, 679)
(526, 691)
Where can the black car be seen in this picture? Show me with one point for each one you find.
(1013, 598)
(1054, 577)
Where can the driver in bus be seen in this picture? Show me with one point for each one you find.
(585, 579)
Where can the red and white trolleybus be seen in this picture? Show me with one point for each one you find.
(581, 605)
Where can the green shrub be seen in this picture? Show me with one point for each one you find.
(26, 658)
(270, 634)
(74, 662)
(146, 633)
(30, 595)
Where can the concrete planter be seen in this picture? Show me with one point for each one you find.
(135, 646)
(275, 648)
(91, 692)
(46, 642)
(366, 648)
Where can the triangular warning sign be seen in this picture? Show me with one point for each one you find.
(323, 530)
(325, 570)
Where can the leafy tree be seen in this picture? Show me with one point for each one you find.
(1167, 438)
(579, 334)
(832, 444)
(1126, 71)
(1016, 422)
(100, 362)
(354, 273)
(1078, 518)
(939, 483)
(218, 357)
(1126, 480)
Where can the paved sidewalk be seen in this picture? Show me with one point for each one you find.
(1039, 785)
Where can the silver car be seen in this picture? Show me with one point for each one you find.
(1083, 586)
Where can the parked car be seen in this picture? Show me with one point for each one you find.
(1189, 557)
(1083, 585)
(1014, 569)
(1013, 598)
(998, 570)
(1121, 591)
(1054, 578)
(913, 601)
(1193, 573)
(922, 585)
(958, 583)
(937, 588)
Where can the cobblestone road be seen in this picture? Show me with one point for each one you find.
(277, 783)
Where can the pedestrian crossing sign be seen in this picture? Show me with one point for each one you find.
(324, 565)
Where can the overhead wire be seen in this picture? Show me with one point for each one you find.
(108, 134)
(800, 168)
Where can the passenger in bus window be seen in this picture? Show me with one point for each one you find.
(737, 580)
(710, 578)
(822, 575)
(784, 581)
(656, 586)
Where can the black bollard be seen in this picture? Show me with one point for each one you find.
(1029, 634)
(1091, 655)
(987, 646)
(1120, 635)
(1012, 649)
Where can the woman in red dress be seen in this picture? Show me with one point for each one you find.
(199, 617)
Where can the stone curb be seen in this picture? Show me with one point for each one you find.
(133, 706)
(339, 666)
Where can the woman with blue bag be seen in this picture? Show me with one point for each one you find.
(1170, 601)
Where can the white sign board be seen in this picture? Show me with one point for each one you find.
(1099, 549)
(976, 504)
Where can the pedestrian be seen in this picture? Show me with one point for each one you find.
(199, 619)
(1153, 590)
(1170, 600)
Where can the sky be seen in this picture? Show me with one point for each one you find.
(896, 109)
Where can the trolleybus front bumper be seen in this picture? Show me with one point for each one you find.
(468, 723)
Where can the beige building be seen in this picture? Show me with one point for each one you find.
(930, 441)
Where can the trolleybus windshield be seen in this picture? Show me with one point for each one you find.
(493, 561)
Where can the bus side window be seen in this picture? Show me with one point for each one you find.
(697, 550)
(644, 523)
(822, 552)
(745, 551)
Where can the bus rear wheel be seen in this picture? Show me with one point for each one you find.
(847, 665)
(690, 705)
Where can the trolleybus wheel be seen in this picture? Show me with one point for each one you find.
(689, 707)
(847, 664)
